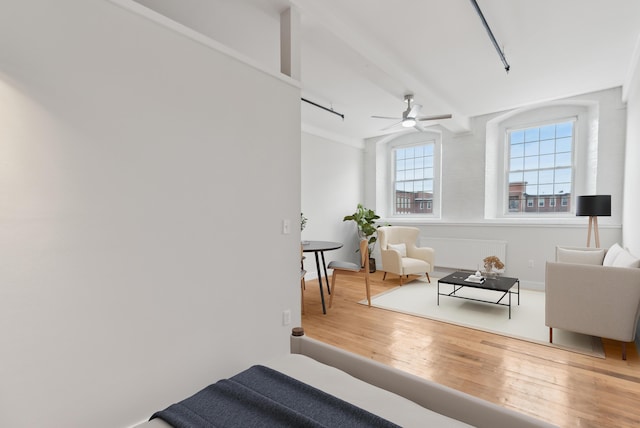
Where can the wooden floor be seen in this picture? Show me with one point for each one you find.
(562, 387)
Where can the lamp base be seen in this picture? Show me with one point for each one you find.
(593, 224)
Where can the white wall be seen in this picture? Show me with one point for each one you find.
(631, 208)
(332, 183)
(246, 26)
(140, 215)
(463, 193)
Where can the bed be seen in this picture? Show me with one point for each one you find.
(361, 388)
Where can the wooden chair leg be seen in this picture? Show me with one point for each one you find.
(333, 287)
(428, 279)
(624, 351)
(384, 276)
(550, 335)
(302, 287)
(366, 281)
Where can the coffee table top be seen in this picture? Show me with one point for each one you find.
(500, 283)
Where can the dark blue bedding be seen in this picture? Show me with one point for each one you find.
(263, 397)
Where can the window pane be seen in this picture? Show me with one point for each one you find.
(563, 175)
(531, 162)
(546, 161)
(545, 189)
(531, 177)
(409, 152)
(532, 134)
(547, 146)
(564, 129)
(563, 159)
(517, 150)
(564, 144)
(517, 137)
(546, 176)
(428, 186)
(409, 164)
(428, 161)
(562, 188)
(515, 177)
(517, 164)
(548, 132)
(531, 149)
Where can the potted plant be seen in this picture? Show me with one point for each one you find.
(365, 220)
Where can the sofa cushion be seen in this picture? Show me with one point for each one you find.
(611, 255)
(626, 259)
(401, 248)
(582, 256)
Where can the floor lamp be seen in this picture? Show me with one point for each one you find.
(594, 206)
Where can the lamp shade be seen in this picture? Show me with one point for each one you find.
(594, 205)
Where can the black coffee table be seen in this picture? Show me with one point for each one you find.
(501, 284)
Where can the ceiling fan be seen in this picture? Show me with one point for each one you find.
(410, 118)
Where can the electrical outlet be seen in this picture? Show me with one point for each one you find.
(286, 317)
(286, 226)
(530, 264)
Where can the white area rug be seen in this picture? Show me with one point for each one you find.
(419, 298)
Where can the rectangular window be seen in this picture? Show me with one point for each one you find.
(414, 179)
(541, 166)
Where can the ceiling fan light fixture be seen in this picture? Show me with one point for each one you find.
(409, 122)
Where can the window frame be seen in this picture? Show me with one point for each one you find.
(541, 199)
(585, 159)
(408, 140)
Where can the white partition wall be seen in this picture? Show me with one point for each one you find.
(144, 181)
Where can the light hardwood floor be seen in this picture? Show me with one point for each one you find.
(562, 387)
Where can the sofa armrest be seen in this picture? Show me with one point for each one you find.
(601, 301)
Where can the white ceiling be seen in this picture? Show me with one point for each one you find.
(360, 57)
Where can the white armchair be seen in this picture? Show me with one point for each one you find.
(399, 252)
(592, 293)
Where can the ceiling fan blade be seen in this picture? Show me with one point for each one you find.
(391, 126)
(385, 117)
(437, 117)
(419, 127)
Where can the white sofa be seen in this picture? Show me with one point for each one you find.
(593, 291)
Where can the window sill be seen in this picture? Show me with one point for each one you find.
(571, 222)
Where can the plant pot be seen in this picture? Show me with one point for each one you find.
(372, 265)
